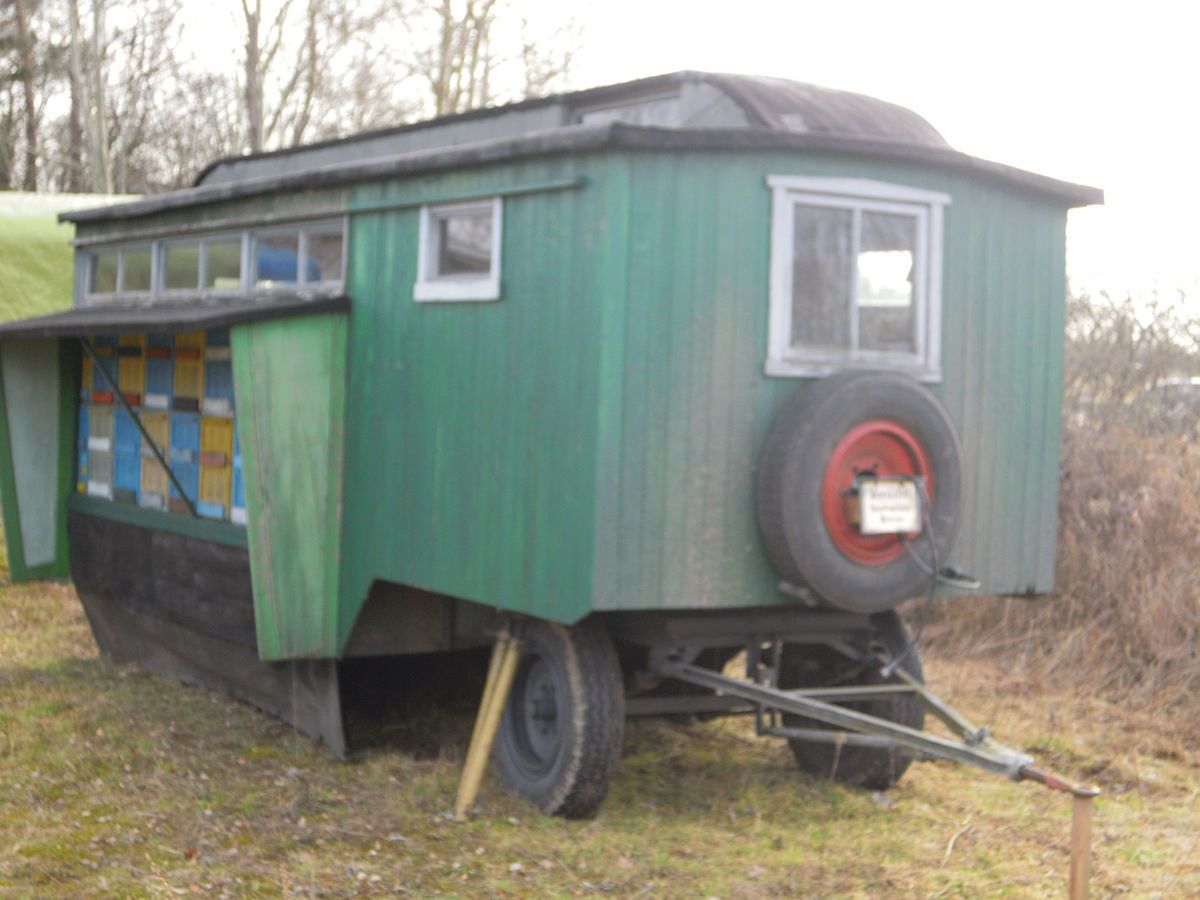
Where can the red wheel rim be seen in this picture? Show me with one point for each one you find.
(887, 450)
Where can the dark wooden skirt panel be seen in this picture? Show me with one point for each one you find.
(182, 607)
(196, 584)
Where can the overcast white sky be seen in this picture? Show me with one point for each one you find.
(1101, 93)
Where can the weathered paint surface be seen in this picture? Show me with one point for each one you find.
(590, 440)
(38, 384)
(696, 406)
(472, 428)
(290, 385)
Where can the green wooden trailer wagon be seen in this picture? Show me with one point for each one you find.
(654, 373)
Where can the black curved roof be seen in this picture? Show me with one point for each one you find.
(783, 105)
(667, 112)
(758, 102)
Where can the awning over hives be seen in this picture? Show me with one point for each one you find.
(170, 317)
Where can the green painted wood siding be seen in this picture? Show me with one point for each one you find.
(473, 432)
(290, 385)
(696, 405)
(590, 440)
(39, 380)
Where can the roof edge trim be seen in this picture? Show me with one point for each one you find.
(589, 138)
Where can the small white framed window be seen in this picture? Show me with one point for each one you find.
(458, 253)
(856, 269)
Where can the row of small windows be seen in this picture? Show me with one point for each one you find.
(249, 261)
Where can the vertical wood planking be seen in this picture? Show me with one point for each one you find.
(590, 440)
(476, 429)
(289, 380)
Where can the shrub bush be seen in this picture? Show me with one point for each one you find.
(1126, 618)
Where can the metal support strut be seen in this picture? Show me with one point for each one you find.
(974, 746)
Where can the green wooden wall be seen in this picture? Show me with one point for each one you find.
(589, 441)
(290, 386)
(472, 442)
(696, 407)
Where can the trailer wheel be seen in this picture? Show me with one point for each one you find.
(844, 427)
(806, 666)
(561, 732)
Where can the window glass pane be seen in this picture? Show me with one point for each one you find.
(821, 268)
(104, 273)
(182, 265)
(276, 259)
(137, 270)
(223, 264)
(464, 243)
(324, 256)
(885, 278)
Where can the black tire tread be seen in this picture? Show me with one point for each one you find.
(789, 472)
(596, 728)
(865, 767)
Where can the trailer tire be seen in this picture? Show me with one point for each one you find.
(852, 422)
(563, 726)
(867, 767)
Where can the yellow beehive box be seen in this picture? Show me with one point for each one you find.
(155, 484)
(189, 371)
(216, 457)
(131, 367)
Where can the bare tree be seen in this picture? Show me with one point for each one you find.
(472, 53)
(21, 11)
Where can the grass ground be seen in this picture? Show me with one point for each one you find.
(115, 782)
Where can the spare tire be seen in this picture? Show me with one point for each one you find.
(849, 425)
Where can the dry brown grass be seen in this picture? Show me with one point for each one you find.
(1126, 619)
(115, 783)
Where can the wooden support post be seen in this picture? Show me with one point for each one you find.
(1081, 845)
(502, 668)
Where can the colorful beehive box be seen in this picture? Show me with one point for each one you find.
(189, 372)
(127, 457)
(184, 458)
(131, 367)
(237, 502)
(155, 483)
(100, 452)
(103, 381)
(218, 374)
(86, 379)
(160, 371)
(216, 457)
(81, 450)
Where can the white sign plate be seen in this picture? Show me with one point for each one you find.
(888, 506)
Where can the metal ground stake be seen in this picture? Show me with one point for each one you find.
(501, 670)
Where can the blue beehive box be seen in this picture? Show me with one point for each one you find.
(160, 371)
(237, 507)
(127, 457)
(218, 374)
(185, 458)
(81, 447)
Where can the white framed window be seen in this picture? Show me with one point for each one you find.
(856, 268)
(308, 257)
(458, 252)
